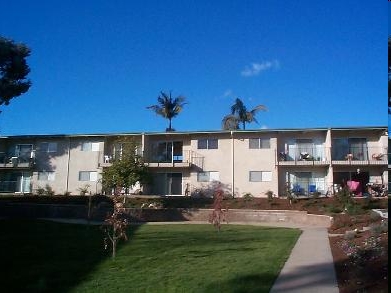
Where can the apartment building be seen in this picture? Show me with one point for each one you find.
(182, 163)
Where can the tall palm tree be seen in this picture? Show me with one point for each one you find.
(239, 114)
(168, 107)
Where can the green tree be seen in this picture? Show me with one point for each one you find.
(127, 168)
(240, 114)
(13, 70)
(168, 107)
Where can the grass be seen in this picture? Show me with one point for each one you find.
(40, 256)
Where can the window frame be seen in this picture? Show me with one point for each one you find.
(264, 176)
(260, 143)
(45, 147)
(48, 176)
(90, 146)
(209, 176)
(92, 176)
(208, 143)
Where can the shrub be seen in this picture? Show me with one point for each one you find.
(333, 209)
(354, 209)
(40, 191)
(84, 190)
(344, 196)
(47, 190)
(248, 196)
(269, 194)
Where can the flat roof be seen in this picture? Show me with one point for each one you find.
(353, 128)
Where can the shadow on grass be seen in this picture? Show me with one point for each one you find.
(244, 284)
(42, 256)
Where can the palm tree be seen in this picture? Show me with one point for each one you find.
(168, 107)
(239, 114)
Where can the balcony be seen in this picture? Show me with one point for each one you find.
(16, 162)
(186, 159)
(302, 157)
(360, 156)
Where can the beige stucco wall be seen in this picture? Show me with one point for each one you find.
(233, 159)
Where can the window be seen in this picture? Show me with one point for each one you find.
(259, 143)
(357, 147)
(90, 146)
(208, 143)
(48, 147)
(46, 176)
(88, 176)
(208, 176)
(260, 176)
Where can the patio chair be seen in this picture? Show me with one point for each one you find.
(311, 188)
(297, 190)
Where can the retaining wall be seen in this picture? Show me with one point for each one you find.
(98, 213)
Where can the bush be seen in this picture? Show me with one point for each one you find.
(333, 209)
(248, 196)
(354, 209)
(47, 190)
(84, 190)
(269, 194)
(344, 196)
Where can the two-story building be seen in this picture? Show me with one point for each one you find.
(182, 163)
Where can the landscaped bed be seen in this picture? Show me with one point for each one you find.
(42, 256)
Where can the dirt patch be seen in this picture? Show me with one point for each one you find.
(361, 263)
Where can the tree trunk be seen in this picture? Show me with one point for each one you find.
(114, 248)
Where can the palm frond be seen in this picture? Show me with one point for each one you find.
(230, 122)
(259, 108)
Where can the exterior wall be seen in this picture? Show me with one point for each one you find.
(260, 159)
(56, 162)
(233, 159)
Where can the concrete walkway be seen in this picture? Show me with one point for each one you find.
(309, 268)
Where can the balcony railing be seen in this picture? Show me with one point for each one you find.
(303, 156)
(335, 156)
(184, 159)
(360, 156)
(14, 161)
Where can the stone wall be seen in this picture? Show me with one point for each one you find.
(98, 213)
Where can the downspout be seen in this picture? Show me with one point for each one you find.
(232, 165)
(69, 156)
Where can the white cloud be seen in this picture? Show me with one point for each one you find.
(264, 127)
(227, 93)
(256, 68)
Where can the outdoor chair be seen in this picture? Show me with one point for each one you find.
(311, 188)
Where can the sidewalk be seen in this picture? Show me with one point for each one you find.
(310, 267)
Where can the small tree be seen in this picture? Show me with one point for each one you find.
(127, 169)
(115, 226)
(218, 215)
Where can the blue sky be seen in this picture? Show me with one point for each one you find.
(96, 65)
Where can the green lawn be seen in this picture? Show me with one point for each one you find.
(39, 256)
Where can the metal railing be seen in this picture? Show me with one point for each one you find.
(188, 156)
(12, 160)
(322, 155)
